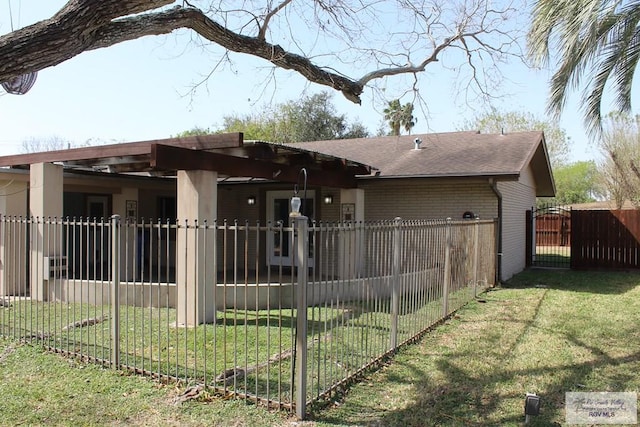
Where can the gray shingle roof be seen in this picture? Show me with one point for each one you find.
(451, 154)
(454, 153)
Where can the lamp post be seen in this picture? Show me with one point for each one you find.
(300, 248)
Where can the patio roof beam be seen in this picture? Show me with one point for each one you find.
(124, 162)
(111, 151)
(175, 158)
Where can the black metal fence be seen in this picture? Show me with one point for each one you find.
(195, 302)
(549, 237)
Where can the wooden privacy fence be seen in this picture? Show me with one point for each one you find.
(605, 239)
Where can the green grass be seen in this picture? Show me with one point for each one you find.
(547, 332)
(553, 256)
(342, 338)
(38, 388)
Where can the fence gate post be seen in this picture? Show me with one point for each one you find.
(476, 238)
(301, 248)
(395, 282)
(447, 270)
(115, 291)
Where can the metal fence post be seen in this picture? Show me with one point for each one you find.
(301, 247)
(447, 271)
(115, 291)
(395, 282)
(476, 238)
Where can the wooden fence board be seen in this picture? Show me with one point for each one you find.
(605, 239)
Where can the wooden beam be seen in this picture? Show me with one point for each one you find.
(87, 154)
(176, 158)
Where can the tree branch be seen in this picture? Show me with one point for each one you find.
(392, 71)
(265, 24)
(165, 22)
(68, 33)
(83, 25)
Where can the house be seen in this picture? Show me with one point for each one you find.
(448, 175)
(215, 177)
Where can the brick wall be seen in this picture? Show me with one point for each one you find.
(428, 199)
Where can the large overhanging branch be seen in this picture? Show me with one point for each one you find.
(68, 33)
(83, 25)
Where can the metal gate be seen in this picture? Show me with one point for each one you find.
(549, 237)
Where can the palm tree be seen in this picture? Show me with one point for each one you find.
(392, 114)
(406, 119)
(399, 116)
(597, 43)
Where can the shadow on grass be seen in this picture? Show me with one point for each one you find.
(597, 282)
(468, 400)
(448, 392)
(552, 260)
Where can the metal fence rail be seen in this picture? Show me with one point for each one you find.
(196, 302)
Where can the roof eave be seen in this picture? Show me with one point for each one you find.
(511, 176)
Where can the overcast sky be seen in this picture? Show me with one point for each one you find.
(144, 89)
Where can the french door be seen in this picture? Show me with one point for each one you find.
(279, 244)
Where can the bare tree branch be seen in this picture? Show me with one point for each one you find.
(271, 14)
(83, 25)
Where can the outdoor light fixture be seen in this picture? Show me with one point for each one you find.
(251, 200)
(296, 202)
(328, 199)
(295, 206)
(531, 406)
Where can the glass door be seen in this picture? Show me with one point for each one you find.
(279, 244)
(98, 237)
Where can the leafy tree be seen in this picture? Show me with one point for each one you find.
(254, 127)
(399, 116)
(576, 182)
(312, 118)
(356, 130)
(323, 41)
(192, 132)
(597, 43)
(495, 121)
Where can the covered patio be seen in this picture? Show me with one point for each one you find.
(163, 249)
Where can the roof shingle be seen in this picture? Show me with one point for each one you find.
(440, 154)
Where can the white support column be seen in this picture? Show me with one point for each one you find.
(45, 201)
(195, 275)
(351, 209)
(13, 255)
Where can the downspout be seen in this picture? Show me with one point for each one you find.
(494, 188)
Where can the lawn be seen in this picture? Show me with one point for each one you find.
(553, 256)
(547, 332)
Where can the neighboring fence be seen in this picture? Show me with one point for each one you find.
(549, 231)
(605, 239)
(119, 294)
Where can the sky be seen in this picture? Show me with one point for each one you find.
(149, 89)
